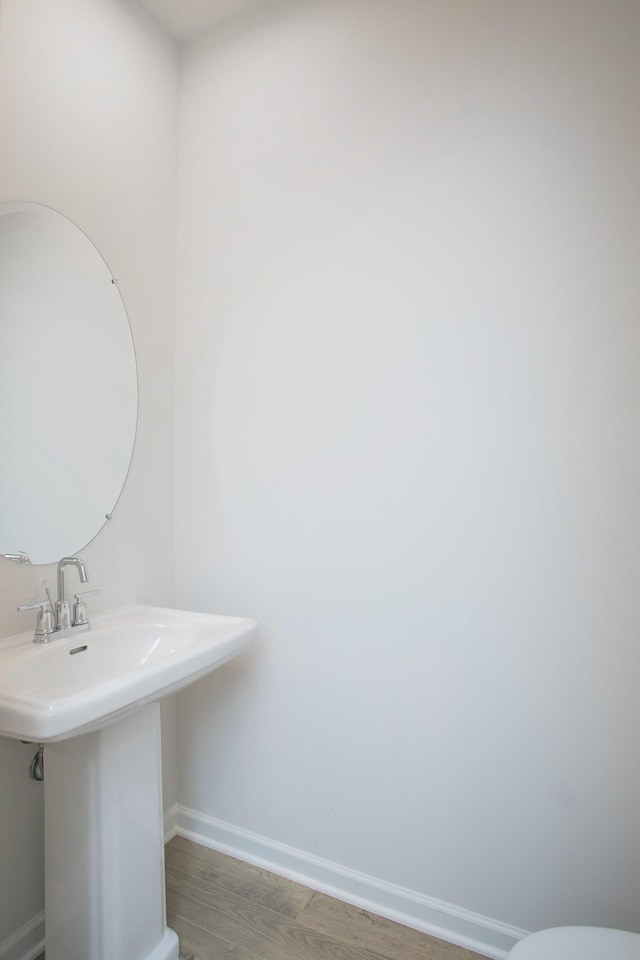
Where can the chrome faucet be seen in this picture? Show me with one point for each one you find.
(58, 617)
(63, 607)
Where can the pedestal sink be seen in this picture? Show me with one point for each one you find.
(92, 699)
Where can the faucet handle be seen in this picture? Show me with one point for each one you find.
(32, 606)
(83, 594)
(79, 610)
(44, 620)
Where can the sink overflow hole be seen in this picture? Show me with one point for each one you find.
(78, 649)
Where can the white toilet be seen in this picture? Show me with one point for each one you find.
(578, 943)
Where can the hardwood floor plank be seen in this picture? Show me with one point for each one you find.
(199, 944)
(265, 933)
(366, 930)
(248, 881)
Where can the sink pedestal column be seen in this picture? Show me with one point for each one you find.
(104, 844)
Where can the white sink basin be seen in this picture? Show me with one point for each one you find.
(131, 656)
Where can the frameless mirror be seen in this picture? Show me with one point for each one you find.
(68, 386)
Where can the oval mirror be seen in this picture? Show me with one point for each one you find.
(68, 386)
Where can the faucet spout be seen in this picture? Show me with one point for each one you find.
(80, 566)
(63, 613)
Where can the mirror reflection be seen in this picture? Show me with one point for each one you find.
(68, 386)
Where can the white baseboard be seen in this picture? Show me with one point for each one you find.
(27, 943)
(170, 824)
(485, 936)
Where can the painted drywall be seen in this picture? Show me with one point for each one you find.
(189, 18)
(88, 125)
(407, 398)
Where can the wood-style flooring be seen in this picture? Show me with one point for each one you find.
(223, 909)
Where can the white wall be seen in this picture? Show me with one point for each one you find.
(408, 386)
(88, 125)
